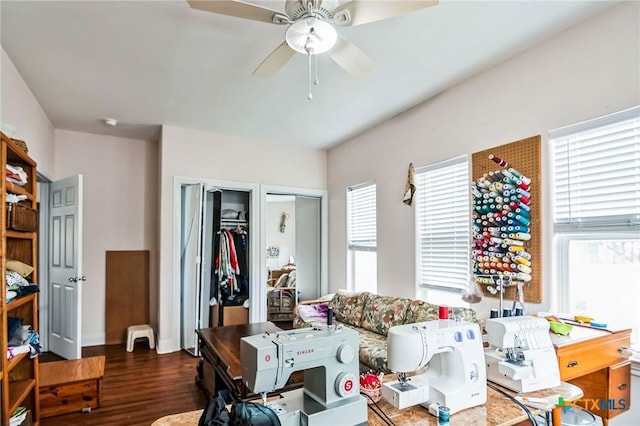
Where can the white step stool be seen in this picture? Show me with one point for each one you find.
(136, 331)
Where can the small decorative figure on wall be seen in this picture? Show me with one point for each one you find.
(283, 221)
(410, 187)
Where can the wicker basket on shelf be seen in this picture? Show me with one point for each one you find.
(21, 144)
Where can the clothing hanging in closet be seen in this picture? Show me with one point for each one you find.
(231, 265)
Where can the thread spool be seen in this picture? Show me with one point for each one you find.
(444, 414)
(499, 161)
(443, 312)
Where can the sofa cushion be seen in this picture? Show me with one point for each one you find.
(373, 350)
(420, 311)
(348, 307)
(382, 312)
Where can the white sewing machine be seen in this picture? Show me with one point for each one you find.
(521, 356)
(456, 376)
(329, 358)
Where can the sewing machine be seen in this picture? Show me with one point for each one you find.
(456, 376)
(329, 358)
(521, 356)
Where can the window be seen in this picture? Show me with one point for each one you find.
(443, 223)
(361, 234)
(596, 166)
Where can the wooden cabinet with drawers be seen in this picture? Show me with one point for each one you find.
(598, 362)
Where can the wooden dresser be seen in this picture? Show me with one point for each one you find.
(598, 362)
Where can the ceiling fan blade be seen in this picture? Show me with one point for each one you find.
(350, 58)
(276, 60)
(240, 9)
(358, 12)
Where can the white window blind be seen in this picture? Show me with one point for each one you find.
(361, 217)
(597, 172)
(443, 222)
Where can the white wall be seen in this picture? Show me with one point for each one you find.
(119, 211)
(20, 108)
(587, 71)
(193, 153)
(286, 240)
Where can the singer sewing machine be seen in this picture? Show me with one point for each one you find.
(521, 356)
(329, 358)
(456, 376)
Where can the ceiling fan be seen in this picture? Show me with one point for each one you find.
(311, 27)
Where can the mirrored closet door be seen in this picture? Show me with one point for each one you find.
(294, 261)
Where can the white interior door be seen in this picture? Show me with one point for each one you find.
(65, 268)
(190, 264)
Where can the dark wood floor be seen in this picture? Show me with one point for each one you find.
(138, 387)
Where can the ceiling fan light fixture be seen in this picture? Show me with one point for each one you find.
(311, 36)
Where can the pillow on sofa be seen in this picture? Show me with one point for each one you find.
(382, 312)
(420, 311)
(348, 307)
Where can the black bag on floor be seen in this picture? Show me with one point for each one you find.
(215, 413)
(252, 414)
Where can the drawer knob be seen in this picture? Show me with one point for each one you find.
(572, 364)
(623, 349)
(622, 386)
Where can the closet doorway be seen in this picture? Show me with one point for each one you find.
(215, 262)
(294, 242)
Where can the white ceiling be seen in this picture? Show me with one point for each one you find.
(148, 63)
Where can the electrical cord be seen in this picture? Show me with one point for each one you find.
(524, 407)
(379, 411)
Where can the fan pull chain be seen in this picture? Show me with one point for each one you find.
(313, 70)
(310, 96)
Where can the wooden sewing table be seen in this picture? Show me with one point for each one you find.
(498, 411)
(221, 367)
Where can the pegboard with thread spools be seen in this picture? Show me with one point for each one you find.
(506, 238)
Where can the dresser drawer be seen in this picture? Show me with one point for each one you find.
(585, 357)
(607, 392)
(619, 388)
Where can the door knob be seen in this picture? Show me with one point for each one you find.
(77, 278)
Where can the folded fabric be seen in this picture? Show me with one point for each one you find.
(14, 198)
(20, 267)
(28, 289)
(25, 335)
(14, 351)
(16, 174)
(560, 327)
(313, 313)
(14, 279)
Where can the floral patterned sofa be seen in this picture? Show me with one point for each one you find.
(371, 315)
